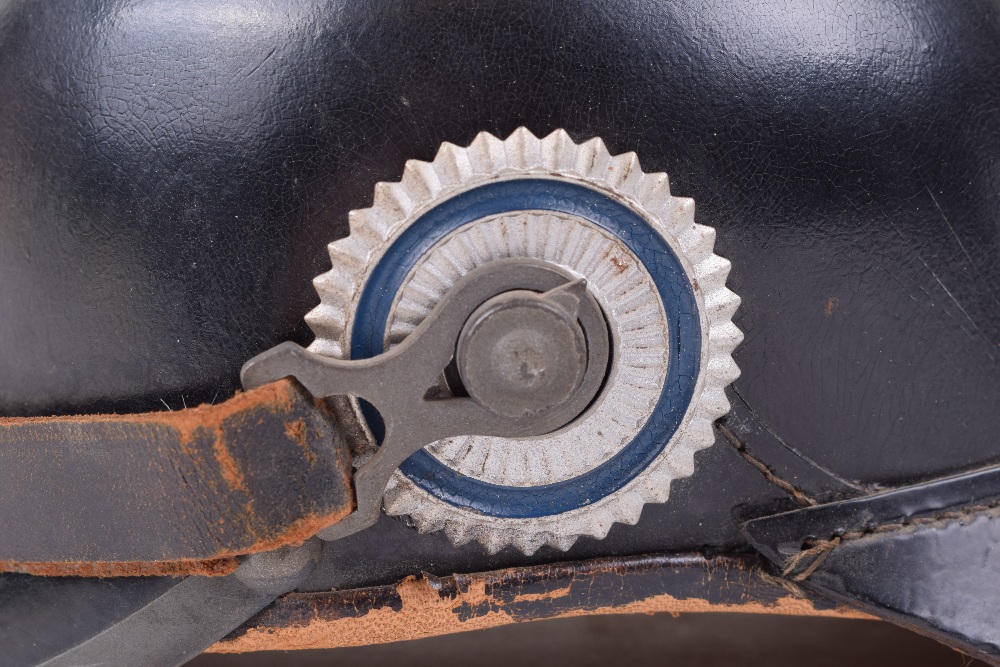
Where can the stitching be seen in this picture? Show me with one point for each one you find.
(818, 554)
(805, 459)
(818, 550)
(797, 494)
(787, 584)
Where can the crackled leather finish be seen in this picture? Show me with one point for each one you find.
(170, 173)
(937, 579)
(175, 493)
(921, 556)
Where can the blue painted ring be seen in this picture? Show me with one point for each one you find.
(673, 285)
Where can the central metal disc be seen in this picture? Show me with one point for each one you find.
(520, 354)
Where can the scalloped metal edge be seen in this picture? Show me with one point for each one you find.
(556, 156)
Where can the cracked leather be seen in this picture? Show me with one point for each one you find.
(170, 493)
(938, 579)
(170, 175)
(921, 556)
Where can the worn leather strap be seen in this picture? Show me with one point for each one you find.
(181, 492)
(921, 556)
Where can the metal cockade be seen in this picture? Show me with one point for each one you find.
(649, 265)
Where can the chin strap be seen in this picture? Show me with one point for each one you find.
(921, 556)
(170, 493)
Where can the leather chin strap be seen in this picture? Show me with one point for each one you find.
(170, 493)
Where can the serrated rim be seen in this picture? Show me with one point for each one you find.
(556, 156)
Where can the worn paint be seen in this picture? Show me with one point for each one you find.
(428, 606)
(171, 493)
(178, 568)
(277, 395)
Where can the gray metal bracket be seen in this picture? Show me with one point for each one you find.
(397, 381)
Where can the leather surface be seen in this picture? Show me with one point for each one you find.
(41, 617)
(781, 536)
(921, 556)
(170, 173)
(936, 579)
(173, 493)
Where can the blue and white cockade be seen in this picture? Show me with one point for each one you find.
(646, 261)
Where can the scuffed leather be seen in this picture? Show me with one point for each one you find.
(170, 173)
(170, 493)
